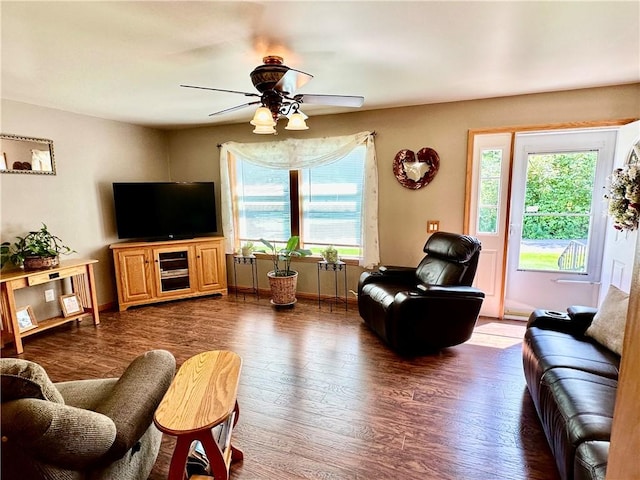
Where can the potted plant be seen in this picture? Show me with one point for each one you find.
(37, 249)
(247, 249)
(283, 280)
(330, 254)
(5, 253)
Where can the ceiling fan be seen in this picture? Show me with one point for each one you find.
(276, 84)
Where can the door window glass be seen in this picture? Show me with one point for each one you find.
(558, 211)
(489, 191)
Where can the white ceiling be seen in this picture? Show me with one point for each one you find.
(126, 60)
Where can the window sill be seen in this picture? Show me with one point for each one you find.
(308, 259)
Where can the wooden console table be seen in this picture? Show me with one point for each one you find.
(83, 283)
(201, 405)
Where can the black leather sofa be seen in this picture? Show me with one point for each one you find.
(572, 380)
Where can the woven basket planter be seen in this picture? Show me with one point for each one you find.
(35, 263)
(283, 289)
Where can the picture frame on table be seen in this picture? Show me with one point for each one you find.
(26, 319)
(71, 305)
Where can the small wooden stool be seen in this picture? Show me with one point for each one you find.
(201, 398)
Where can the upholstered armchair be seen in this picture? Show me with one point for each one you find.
(424, 309)
(86, 429)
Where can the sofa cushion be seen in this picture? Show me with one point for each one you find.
(575, 407)
(25, 379)
(591, 461)
(557, 349)
(608, 325)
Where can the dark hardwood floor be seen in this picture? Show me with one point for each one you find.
(322, 398)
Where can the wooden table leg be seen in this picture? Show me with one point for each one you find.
(211, 449)
(179, 459)
(236, 454)
(214, 454)
(9, 296)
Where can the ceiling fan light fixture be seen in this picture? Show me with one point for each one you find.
(296, 122)
(277, 85)
(263, 118)
(264, 129)
(297, 110)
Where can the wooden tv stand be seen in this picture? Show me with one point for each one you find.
(150, 272)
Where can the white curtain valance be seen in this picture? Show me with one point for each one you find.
(294, 154)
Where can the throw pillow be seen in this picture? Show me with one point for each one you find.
(609, 322)
(25, 379)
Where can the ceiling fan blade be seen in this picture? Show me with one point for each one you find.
(337, 100)
(291, 81)
(246, 94)
(233, 109)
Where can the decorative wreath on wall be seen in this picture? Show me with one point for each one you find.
(624, 193)
(415, 171)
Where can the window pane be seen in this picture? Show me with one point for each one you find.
(488, 220)
(331, 204)
(548, 190)
(567, 252)
(557, 211)
(262, 196)
(491, 163)
(489, 191)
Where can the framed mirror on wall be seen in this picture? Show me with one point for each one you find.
(29, 155)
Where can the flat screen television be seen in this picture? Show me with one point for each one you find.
(164, 210)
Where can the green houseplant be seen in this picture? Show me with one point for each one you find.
(37, 249)
(282, 280)
(330, 254)
(247, 249)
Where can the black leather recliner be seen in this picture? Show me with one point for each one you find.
(424, 309)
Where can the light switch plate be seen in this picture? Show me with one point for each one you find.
(49, 295)
(433, 226)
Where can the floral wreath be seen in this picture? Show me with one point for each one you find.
(624, 197)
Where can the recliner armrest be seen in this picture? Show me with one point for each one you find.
(393, 274)
(581, 313)
(575, 321)
(582, 316)
(135, 397)
(449, 290)
(402, 275)
(394, 270)
(57, 434)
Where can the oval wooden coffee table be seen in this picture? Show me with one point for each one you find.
(201, 404)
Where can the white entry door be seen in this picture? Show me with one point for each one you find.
(558, 219)
(488, 210)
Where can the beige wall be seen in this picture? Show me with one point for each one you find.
(92, 153)
(403, 213)
(77, 203)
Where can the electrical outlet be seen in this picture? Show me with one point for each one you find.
(49, 295)
(433, 226)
